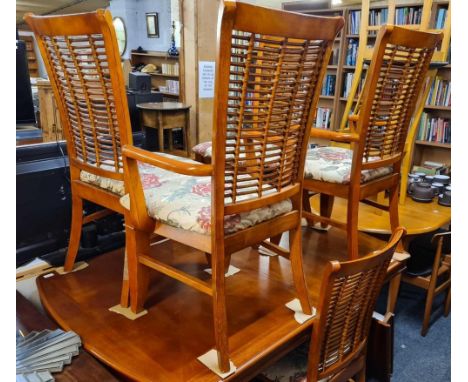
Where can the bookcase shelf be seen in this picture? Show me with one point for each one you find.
(434, 144)
(169, 80)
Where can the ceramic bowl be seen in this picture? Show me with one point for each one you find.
(444, 179)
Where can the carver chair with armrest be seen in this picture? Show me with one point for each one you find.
(376, 135)
(348, 296)
(270, 64)
(436, 278)
(82, 59)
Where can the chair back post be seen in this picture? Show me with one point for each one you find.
(269, 65)
(390, 93)
(83, 64)
(347, 299)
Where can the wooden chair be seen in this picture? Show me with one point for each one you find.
(437, 281)
(81, 55)
(270, 65)
(377, 134)
(347, 299)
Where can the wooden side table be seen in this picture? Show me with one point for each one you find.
(162, 116)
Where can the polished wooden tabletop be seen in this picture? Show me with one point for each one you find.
(163, 106)
(164, 344)
(416, 217)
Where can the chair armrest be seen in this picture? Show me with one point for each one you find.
(334, 135)
(169, 164)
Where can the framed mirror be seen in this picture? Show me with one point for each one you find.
(152, 24)
(121, 33)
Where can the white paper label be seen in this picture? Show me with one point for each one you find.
(206, 75)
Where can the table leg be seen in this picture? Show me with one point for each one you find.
(161, 132)
(186, 129)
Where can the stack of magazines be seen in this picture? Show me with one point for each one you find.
(41, 353)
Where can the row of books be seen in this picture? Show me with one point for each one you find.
(334, 56)
(440, 19)
(172, 86)
(328, 86)
(432, 168)
(351, 52)
(323, 117)
(347, 82)
(170, 69)
(376, 17)
(434, 129)
(440, 93)
(408, 15)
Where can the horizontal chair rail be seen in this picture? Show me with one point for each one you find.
(176, 274)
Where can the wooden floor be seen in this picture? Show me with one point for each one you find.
(164, 344)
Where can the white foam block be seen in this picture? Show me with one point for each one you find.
(232, 270)
(127, 312)
(266, 252)
(210, 360)
(77, 267)
(319, 227)
(401, 256)
(299, 315)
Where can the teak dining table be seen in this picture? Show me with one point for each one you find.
(164, 344)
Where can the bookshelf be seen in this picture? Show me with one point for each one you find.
(425, 14)
(31, 55)
(166, 78)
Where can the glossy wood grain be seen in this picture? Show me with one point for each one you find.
(164, 344)
(416, 217)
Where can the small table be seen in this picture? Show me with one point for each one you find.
(164, 116)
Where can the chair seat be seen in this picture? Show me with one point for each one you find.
(150, 176)
(185, 201)
(333, 164)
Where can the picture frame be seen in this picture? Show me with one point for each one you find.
(152, 25)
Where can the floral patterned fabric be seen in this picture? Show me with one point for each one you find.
(204, 149)
(333, 164)
(150, 176)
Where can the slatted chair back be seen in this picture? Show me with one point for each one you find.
(396, 74)
(348, 296)
(83, 64)
(269, 72)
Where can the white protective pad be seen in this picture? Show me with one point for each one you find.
(210, 360)
(232, 270)
(299, 316)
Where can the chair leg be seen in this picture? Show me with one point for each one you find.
(447, 303)
(427, 311)
(125, 292)
(138, 274)
(227, 261)
(295, 255)
(219, 310)
(75, 232)
(326, 207)
(393, 212)
(361, 376)
(352, 227)
(394, 287)
(276, 239)
(306, 206)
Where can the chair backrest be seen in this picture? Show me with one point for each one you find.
(269, 71)
(347, 299)
(397, 71)
(82, 59)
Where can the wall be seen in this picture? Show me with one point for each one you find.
(133, 14)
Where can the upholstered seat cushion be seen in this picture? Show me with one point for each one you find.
(150, 176)
(333, 164)
(204, 149)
